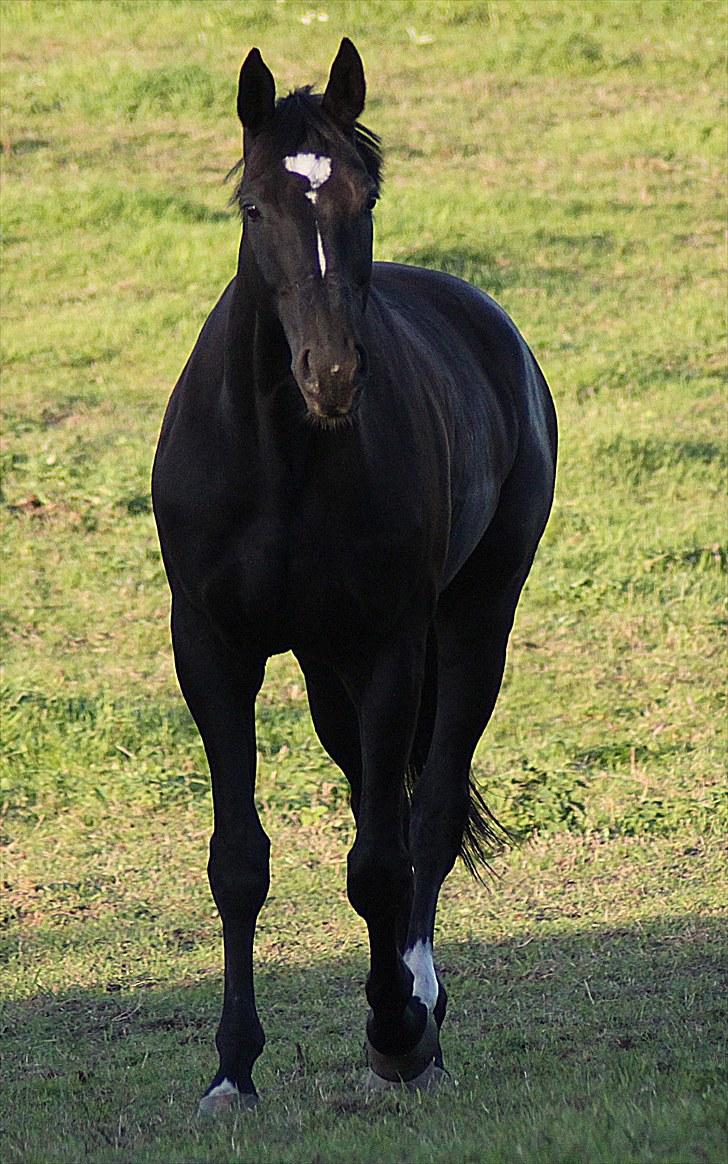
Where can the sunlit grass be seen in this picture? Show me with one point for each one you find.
(569, 159)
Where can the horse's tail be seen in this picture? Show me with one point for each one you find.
(484, 837)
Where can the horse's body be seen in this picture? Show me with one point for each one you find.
(345, 531)
(357, 465)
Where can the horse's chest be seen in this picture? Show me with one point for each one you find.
(300, 582)
(346, 582)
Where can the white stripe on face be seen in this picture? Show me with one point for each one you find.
(419, 961)
(317, 170)
(320, 252)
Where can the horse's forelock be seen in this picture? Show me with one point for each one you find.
(298, 119)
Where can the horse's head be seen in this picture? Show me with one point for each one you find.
(309, 185)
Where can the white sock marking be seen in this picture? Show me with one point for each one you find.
(419, 961)
(316, 169)
(224, 1088)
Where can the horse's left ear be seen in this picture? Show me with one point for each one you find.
(346, 89)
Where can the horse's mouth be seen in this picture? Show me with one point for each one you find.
(331, 419)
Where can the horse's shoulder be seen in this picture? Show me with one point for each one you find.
(428, 291)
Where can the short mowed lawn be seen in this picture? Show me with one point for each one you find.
(569, 159)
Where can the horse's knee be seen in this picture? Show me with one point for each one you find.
(378, 879)
(238, 870)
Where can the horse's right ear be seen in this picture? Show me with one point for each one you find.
(256, 94)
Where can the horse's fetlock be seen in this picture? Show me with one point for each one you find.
(397, 1033)
(240, 1038)
(385, 994)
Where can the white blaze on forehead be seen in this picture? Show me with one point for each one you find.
(315, 167)
(419, 961)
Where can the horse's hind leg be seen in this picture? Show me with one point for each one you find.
(337, 727)
(472, 633)
(387, 694)
(335, 720)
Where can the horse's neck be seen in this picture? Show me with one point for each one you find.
(257, 377)
(256, 353)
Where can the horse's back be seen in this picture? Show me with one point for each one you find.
(501, 416)
(455, 313)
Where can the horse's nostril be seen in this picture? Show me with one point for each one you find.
(327, 369)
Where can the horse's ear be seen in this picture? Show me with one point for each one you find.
(346, 88)
(256, 93)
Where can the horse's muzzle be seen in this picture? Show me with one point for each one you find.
(330, 380)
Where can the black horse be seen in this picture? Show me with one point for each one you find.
(357, 465)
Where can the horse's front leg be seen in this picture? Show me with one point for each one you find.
(220, 687)
(402, 1041)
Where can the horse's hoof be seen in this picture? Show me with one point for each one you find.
(226, 1097)
(430, 1079)
(416, 1069)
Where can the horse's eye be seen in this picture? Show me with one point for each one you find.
(371, 202)
(251, 211)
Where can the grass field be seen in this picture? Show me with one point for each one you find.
(570, 159)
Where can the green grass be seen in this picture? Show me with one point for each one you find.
(568, 158)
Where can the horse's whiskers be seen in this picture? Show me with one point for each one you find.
(330, 423)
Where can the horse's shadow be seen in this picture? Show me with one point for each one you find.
(476, 264)
(491, 270)
(540, 1006)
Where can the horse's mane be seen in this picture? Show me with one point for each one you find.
(300, 118)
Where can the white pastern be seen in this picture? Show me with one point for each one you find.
(419, 960)
(315, 167)
(224, 1088)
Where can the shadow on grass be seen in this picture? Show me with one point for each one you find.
(492, 271)
(542, 1004)
(477, 265)
(601, 1045)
